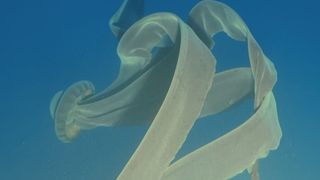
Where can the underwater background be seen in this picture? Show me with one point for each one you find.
(45, 46)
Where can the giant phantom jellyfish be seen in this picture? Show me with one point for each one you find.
(167, 79)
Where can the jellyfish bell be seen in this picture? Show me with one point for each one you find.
(63, 107)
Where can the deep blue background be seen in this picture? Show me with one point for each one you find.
(47, 45)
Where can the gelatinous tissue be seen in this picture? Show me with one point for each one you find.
(167, 78)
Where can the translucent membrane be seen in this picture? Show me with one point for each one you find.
(167, 78)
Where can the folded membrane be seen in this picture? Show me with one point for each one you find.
(167, 78)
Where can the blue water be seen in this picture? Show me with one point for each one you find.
(47, 45)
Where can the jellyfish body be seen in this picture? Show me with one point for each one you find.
(167, 78)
